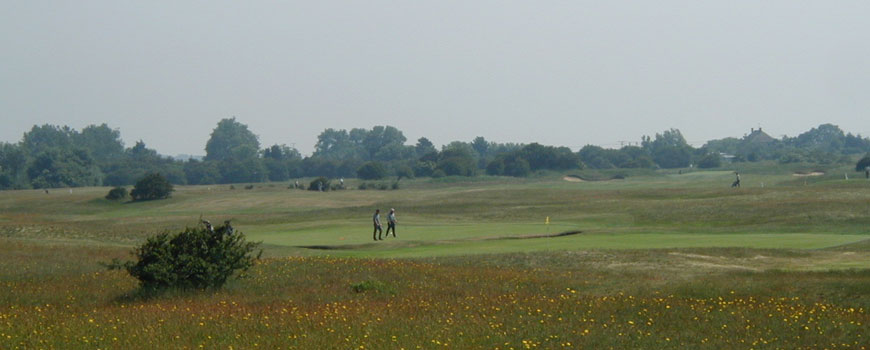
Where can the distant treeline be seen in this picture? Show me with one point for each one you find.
(50, 156)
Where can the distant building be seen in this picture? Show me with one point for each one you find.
(758, 136)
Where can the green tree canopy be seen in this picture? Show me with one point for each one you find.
(63, 168)
(231, 139)
(372, 171)
(103, 143)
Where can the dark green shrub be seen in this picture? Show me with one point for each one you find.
(152, 186)
(395, 185)
(382, 186)
(117, 193)
(319, 184)
(194, 258)
(362, 186)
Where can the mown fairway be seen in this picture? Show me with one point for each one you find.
(662, 260)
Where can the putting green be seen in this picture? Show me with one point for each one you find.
(398, 248)
(421, 240)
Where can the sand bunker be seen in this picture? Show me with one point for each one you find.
(572, 178)
(815, 173)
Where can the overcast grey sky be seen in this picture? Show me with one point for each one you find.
(566, 73)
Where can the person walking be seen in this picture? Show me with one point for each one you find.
(391, 222)
(736, 182)
(376, 220)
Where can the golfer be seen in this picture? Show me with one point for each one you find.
(376, 219)
(391, 222)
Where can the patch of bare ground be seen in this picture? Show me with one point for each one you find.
(813, 173)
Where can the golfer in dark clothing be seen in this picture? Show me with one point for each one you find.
(376, 219)
(391, 223)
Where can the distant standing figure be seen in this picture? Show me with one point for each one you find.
(376, 219)
(341, 181)
(391, 223)
(320, 186)
(296, 184)
(736, 182)
(867, 173)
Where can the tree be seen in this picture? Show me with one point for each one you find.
(231, 140)
(13, 166)
(827, 138)
(480, 146)
(336, 145)
(495, 167)
(152, 186)
(638, 158)
(404, 171)
(139, 160)
(424, 146)
(103, 143)
(669, 149)
(47, 137)
(457, 159)
(381, 137)
(201, 172)
(672, 157)
(863, 163)
(710, 160)
(595, 157)
(63, 168)
(372, 171)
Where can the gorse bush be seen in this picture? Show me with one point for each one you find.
(117, 193)
(199, 257)
(319, 184)
(152, 186)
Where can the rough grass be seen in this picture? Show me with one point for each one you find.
(665, 260)
(545, 300)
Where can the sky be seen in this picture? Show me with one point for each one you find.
(563, 73)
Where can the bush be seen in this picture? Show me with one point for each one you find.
(318, 184)
(152, 186)
(194, 258)
(395, 185)
(362, 186)
(117, 193)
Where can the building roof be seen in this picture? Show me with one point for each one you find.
(758, 136)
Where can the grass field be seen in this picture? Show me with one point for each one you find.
(662, 259)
